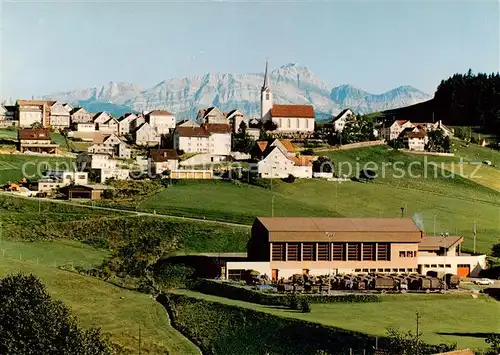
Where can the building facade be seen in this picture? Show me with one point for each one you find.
(163, 122)
(59, 116)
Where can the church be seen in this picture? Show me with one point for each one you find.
(291, 120)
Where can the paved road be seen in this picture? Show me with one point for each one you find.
(133, 213)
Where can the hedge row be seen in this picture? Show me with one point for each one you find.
(227, 290)
(222, 329)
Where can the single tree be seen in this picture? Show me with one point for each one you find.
(495, 250)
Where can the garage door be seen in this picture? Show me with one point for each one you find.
(463, 270)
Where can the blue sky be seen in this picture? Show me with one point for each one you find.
(56, 46)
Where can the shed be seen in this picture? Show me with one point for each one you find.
(89, 192)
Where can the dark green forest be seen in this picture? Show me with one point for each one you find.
(470, 100)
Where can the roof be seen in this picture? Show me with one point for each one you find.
(35, 102)
(435, 243)
(218, 128)
(159, 155)
(326, 224)
(401, 122)
(457, 352)
(420, 134)
(160, 113)
(192, 132)
(303, 111)
(287, 144)
(38, 134)
(78, 109)
(262, 145)
(302, 160)
(341, 114)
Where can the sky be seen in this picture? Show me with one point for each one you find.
(54, 46)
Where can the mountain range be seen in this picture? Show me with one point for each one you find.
(290, 84)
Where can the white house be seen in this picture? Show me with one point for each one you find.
(146, 135)
(212, 138)
(415, 140)
(59, 116)
(340, 120)
(125, 123)
(68, 107)
(279, 161)
(395, 129)
(80, 115)
(101, 117)
(33, 111)
(85, 127)
(135, 123)
(109, 127)
(289, 119)
(161, 121)
(162, 160)
(103, 165)
(212, 115)
(67, 177)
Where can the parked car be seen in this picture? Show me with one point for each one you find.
(484, 282)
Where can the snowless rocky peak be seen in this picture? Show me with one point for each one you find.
(291, 84)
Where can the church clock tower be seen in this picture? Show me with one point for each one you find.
(266, 99)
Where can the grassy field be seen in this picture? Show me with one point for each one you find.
(481, 174)
(119, 312)
(444, 319)
(14, 167)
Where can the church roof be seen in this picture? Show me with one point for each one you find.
(301, 111)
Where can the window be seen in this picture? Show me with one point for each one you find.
(323, 252)
(307, 123)
(278, 252)
(368, 251)
(441, 266)
(401, 270)
(387, 270)
(447, 265)
(288, 123)
(380, 270)
(394, 270)
(426, 265)
(353, 251)
(402, 254)
(357, 270)
(309, 251)
(267, 95)
(373, 270)
(298, 123)
(235, 274)
(338, 252)
(293, 252)
(81, 177)
(383, 251)
(434, 265)
(365, 270)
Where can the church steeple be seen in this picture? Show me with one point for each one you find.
(265, 85)
(266, 98)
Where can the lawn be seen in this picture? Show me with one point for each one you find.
(479, 173)
(444, 319)
(14, 167)
(119, 312)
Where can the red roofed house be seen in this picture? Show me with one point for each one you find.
(416, 139)
(209, 138)
(394, 130)
(278, 160)
(37, 141)
(290, 119)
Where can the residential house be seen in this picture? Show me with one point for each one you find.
(101, 118)
(212, 138)
(59, 116)
(37, 141)
(8, 116)
(80, 115)
(292, 120)
(111, 145)
(103, 166)
(162, 160)
(340, 120)
(125, 123)
(139, 120)
(395, 129)
(145, 135)
(187, 123)
(84, 127)
(415, 140)
(211, 115)
(161, 121)
(66, 177)
(193, 139)
(30, 112)
(236, 117)
(261, 148)
(111, 126)
(68, 107)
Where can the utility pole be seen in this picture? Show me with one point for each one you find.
(402, 212)
(39, 205)
(417, 335)
(435, 223)
(272, 206)
(139, 340)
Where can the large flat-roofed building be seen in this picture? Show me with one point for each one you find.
(284, 246)
(334, 245)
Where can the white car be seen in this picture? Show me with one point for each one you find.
(484, 282)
